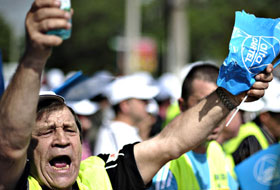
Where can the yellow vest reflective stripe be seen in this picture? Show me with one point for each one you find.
(231, 165)
(245, 131)
(92, 176)
(217, 166)
(183, 173)
(185, 177)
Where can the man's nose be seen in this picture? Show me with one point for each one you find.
(60, 139)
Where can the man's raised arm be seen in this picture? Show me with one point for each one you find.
(19, 102)
(191, 127)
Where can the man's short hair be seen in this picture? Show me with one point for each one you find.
(205, 71)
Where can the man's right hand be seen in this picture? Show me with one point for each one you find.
(43, 16)
(262, 82)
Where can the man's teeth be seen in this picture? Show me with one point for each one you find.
(61, 168)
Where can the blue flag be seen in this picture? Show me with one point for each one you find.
(260, 171)
(255, 43)
(2, 84)
(69, 83)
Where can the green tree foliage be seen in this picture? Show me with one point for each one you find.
(96, 23)
(5, 39)
(154, 25)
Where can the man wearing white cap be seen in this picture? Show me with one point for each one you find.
(263, 131)
(129, 97)
(40, 143)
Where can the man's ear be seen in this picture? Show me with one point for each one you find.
(182, 104)
(264, 117)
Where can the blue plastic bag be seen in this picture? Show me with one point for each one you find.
(254, 44)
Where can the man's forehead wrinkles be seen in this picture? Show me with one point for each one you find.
(58, 114)
(55, 122)
(52, 125)
(56, 118)
(44, 125)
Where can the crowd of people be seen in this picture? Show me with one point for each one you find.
(128, 132)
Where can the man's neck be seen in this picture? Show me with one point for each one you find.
(123, 118)
(269, 135)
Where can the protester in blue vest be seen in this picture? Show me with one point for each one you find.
(41, 145)
(205, 166)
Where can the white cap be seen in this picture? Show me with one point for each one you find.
(169, 86)
(83, 107)
(127, 87)
(144, 76)
(55, 77)
(50, 95)
(255, 106)
(269, 102)
(152, 107)
(272, 97)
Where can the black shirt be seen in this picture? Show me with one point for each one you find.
(251, 145)
(121, 168)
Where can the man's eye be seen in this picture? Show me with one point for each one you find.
(70, 130)
(45, 132)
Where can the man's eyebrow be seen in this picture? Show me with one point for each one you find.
(45, 126)
(70, 124)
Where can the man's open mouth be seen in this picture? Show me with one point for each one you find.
(60, 162)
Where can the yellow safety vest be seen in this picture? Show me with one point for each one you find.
(92, 176)
(246, 130)
(172, 111)
(185, 177)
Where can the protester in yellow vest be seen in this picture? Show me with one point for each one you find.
(40, 136)
(258, 134)
(172, 111)
(205, 166)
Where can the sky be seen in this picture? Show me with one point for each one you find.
(14, 12)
